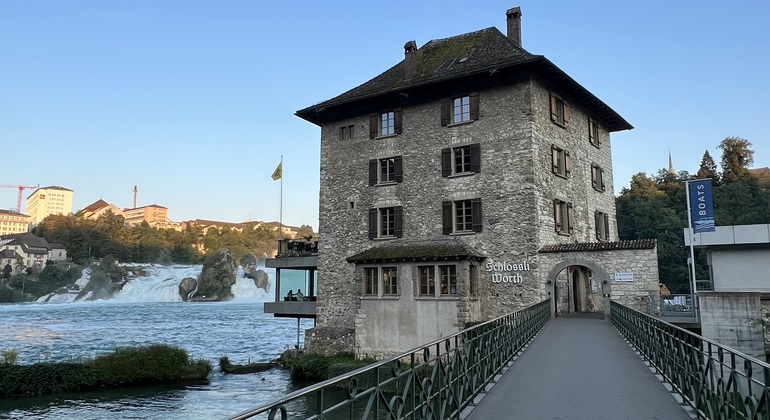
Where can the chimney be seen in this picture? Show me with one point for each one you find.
(513, 18)
(410, 60)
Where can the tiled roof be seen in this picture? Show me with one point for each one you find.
(96, 205)
(26, 240)
(600, 246)
(417, 250)
(54, 187)
(9, 253)
(482, 55)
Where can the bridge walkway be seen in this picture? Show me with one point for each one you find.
(578, 368)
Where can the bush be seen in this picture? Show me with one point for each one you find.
(316, 367)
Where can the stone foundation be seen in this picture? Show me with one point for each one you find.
(329, 340)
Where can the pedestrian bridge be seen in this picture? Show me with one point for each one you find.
(526, 365)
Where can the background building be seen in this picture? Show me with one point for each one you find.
(48, 200)
(12, 222)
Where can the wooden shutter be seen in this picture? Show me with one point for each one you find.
(599, 134)
(553, 107)
(554, 159)
(373, 172)
(601, 178)
(373, 213)
(570, 218)
(476, 220)
(446, 111)
(594, 174)
(374, 125)
(398, 171)
(398, 223)
(606, 226)
(476, 158)
(591, 138)
(447, 219)
(597, 222)
(557, 215)
(446, 162)
(567, 164)
(566, 112)
(397, 120)
(474, 105)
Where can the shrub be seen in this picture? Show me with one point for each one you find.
(10, 356)
(316, 367)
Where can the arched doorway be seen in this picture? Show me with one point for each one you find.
(578, 285)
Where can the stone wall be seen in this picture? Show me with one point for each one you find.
(733, 319)
(329, 340)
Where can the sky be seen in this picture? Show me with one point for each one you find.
(193, 101)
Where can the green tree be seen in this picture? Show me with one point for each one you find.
(708, 169)
(736, 159)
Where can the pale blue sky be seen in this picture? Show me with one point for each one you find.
(194, 101)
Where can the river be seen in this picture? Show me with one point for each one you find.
(146, 312)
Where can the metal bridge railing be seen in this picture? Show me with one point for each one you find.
(435, 381)
(716, 381)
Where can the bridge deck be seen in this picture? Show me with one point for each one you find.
(578, 368)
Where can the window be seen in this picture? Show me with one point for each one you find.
(564, 217)
(561, 164)
(559, 111)
(594, 133)
(386, 123)
(448, 279)
(427, 276)
(463, 216)
(347, 132)
(461, 160)
(378, 279)
(385, 171)
(460, 109)
(385, 222)
(602, 226)
(597, 178)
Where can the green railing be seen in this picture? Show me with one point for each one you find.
(435, 381)
(716, 381)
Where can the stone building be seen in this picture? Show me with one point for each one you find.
(469, 180)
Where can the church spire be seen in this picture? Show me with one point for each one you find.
(670, 164)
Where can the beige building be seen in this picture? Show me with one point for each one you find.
(46, 201)
(12, 222)
(153, 214)
(23, 250)
(99, 208)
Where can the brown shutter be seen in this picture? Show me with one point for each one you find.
(446, 111)
(398, 170)
(594, 181)
(398, 230)
(598, 221)
(476, 220)
(374, 125)
(606, 226)
(570, 218)
(373, 172)
(446, 162)
(553, 106)
(447, 218)
(599, 133)
(397, 119)
(566, 112)
(567, 164)
(476, 158)
(554, 159)
(373, 223)
(474, 102)
(557, 214)
(591, 138)
(601, 178)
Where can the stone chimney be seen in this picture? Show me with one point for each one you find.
(513, 18)
(410, 60)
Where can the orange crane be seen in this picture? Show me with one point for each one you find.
(21, 192)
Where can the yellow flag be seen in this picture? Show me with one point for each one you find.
(278, 173)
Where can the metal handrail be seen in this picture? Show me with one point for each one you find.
(717, 381)
(436, 380)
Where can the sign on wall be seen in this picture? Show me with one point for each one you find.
(624, 276)
(507, 272)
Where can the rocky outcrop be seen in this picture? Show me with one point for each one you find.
(186, 288)
(249, 262)
(217, 278)
(261, 280)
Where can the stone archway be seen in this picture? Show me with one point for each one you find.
(599, 272)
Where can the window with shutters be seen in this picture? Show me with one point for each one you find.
(602, 226)
(462, 216)
(561, 164)
(564, 217)
(460, 109)
(597, 178)
(461, 160)
(559, 110)
(594, 133)
(384, 124)
(385, 171)
(385, 223)
(380, 281)
(347, 132)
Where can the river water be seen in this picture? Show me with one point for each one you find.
(147, 312)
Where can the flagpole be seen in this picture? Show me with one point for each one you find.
(691, 231)
(280, 205)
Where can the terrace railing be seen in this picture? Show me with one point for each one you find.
(434, 381)
(298, 248)
(716, 381)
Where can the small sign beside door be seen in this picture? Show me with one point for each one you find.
(624, 276)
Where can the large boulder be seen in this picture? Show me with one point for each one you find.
(186, 288)
(217, 277)
(261, 280)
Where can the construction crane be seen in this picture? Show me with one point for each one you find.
(21, 193)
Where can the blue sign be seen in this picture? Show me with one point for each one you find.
(701, 205)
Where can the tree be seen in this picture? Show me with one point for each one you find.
(736, 159)
(708, 169)
(305, 231)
